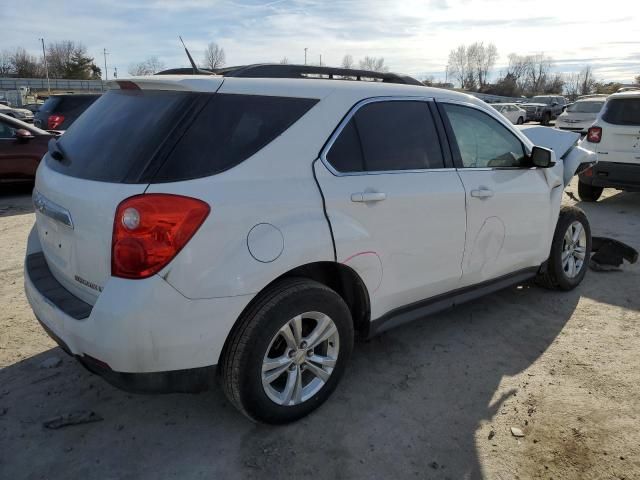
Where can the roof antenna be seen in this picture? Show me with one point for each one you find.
(193, 64)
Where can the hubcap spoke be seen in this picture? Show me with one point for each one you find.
(289, 389)
(318, 372)
(322, 360)
(579, 252)
(289, 336)
(577, 230)
(322, 332)
(296, 327)
(272, 369)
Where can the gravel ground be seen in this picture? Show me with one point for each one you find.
(433, 399)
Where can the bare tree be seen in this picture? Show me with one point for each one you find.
(637, 79)
(26, 65)
(284, 61)
(518, 70)
(480, 60)
(587, 81)
(148, 67)
(6, 63)
(429, 81)
(214, 57)
(373, 64)
(347, 61)
(572, 86)
(458, 65)
(539, 68)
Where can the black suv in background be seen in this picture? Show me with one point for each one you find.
(544, 108)
(60, 111)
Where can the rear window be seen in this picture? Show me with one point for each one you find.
(585, 107)
(141, 136)
(117, 137)
(50, 104)
(622, 111)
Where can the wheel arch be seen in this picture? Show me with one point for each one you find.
(341, 278)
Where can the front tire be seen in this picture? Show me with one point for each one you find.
(520, 121)
(589, 193)
(570, 251)
(288, 351)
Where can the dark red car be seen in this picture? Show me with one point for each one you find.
(22, 146)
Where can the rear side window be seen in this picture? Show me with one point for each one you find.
(229, 129)
(622, 111)
(387, 136)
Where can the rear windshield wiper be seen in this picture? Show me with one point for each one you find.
(55, 150)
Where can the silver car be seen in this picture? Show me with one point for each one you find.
(579, 116)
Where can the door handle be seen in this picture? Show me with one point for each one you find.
(368, 197)
(482, 193)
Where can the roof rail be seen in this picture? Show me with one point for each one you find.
(268, 70)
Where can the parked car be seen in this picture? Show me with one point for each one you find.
(581, 114)
(19, 113)
(281, 217)
(33, 107)
(22, 146)
(544, 108)
(615, 138)
(513, 112)
(60, 111)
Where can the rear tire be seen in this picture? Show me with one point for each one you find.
(520, 121)
(570, 251)
(589, 193)
(546, 119)
(275, 371)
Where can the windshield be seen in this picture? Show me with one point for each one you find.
(585, 107)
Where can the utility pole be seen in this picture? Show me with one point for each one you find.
(305, 55)
(106, 72)
(46, 67)
(320, 59)
(115, 72)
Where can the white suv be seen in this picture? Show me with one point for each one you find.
(260, 224)
(615, 138)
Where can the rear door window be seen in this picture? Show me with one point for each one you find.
(388, 136)
(622, 111)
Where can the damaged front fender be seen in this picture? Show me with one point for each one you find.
(564, 144)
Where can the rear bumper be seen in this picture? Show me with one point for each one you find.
(136, 327)
(623, 176)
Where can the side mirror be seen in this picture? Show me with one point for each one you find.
(23, 135)
(542, 157)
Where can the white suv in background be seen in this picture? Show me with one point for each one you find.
(261, 224)
(615, 138)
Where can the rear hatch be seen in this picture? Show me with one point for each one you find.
(621, 132)
(108, 155)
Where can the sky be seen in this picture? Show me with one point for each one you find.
(414, 37)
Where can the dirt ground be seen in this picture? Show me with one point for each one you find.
(433, 399)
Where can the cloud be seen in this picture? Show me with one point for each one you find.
(414, 36)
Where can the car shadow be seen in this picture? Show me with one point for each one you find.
(411, 404)
(15, 200)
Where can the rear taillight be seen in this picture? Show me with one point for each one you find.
(149, 231)
(594, 134)
(54, 121)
